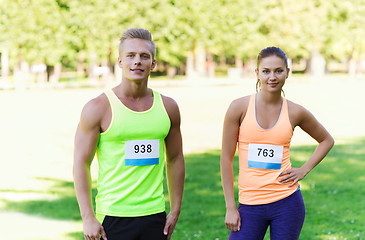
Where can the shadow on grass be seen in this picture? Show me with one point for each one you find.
(333, 192)
(59, 204)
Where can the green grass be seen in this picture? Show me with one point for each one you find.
(333, 193)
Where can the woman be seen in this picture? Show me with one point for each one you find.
(262, 124)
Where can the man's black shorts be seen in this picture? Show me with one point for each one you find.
(135, 228)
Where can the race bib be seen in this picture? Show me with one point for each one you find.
(265, 156)
(142, 152)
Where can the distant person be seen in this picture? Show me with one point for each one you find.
(262, 125)
(130, 127)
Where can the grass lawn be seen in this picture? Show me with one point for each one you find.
(333, 193)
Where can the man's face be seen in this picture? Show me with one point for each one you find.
(136, 60)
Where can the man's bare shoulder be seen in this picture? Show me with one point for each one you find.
(168, 101)
(172, 109)
(170, 104)
(97, 104)
(94, 110)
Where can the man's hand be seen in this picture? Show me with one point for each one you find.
(93, 229)
(170, 224)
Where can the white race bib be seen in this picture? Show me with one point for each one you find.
(142, 152)
(265, 156)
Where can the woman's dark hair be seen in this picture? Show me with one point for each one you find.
(267, 52)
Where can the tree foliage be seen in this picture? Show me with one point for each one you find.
(50, 31)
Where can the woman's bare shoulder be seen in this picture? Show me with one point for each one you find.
(296, 113)
(241, 102)
(238, 108)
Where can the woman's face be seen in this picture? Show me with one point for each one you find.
(272, 73)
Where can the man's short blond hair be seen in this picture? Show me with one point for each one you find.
(138, 33)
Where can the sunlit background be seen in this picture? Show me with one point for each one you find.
(58, 54)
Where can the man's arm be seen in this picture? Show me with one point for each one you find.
(175, 165)
(86, 139)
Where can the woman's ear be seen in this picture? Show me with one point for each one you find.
(287, 74)
(257, 73)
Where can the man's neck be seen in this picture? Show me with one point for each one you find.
(133, 89)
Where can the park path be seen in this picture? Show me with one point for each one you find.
(38, 127)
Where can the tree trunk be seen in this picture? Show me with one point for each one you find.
(249, 69)
(239, 62)
(316, 65)
(352, 68)
(107, 74)
(80, 63)
(93, 78)
(211, 66)
(54, 76)
(21, 73)
(5, 65)
(190, 70)
(222, 60)
(110, 62)
(200, 63)
(171, 72)
(42, 76)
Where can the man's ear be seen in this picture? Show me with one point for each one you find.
(154, 64)
(120, 63)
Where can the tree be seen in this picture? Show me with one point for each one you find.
(344, 38)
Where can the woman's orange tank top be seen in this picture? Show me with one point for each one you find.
(263, 156)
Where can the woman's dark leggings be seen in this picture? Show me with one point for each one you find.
(285, 218)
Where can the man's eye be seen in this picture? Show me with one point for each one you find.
(279, 71)
(265, 71)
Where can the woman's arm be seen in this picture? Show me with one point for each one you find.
(229, 145)
(306, 121)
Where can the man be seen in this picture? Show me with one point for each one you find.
(130, 127)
